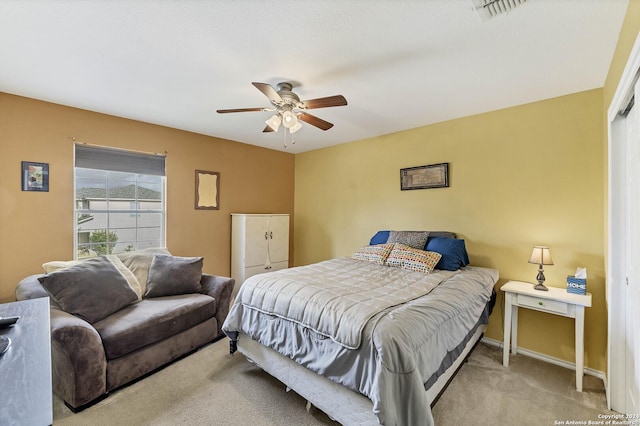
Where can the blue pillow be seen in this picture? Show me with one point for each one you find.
(381, 237)
(453, 251)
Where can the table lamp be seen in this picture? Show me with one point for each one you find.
(541, 256)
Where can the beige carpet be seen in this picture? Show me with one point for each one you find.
(210, 387)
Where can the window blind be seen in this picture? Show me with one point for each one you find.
(120, 160)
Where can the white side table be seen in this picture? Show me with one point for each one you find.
(556, 301)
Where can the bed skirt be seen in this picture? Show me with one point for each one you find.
(338, 402)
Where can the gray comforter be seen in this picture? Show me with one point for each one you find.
(401, 345)
(337, 297)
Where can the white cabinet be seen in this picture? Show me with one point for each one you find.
(259, 243)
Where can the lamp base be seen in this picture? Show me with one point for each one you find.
(540, 278)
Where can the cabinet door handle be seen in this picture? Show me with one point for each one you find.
(540, 303)
(271, 235)
(266, 235)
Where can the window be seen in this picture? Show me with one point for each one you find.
(119, 201)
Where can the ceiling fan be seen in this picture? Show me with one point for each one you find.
(289, 109)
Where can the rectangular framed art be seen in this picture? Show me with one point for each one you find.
(207, 190)
(35, 176)
(423, 177)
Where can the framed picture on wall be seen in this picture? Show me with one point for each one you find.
(423, 177)
(207, 190)
(35, 176)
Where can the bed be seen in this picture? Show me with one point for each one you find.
(366, 340)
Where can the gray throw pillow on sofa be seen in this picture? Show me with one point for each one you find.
(170, 275)
(91, 290)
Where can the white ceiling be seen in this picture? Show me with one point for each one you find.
(400, 63)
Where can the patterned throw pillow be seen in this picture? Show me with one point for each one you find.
(413, 259)
(376, 254)
(415, 239)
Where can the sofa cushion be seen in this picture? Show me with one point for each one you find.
(91, 290)
(139, 262)
(152, 320)
(170, 275)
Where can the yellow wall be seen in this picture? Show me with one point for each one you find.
(519, 177)
(533, 174)
(38, 227)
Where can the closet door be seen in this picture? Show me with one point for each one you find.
(633, 257)
(623, 267)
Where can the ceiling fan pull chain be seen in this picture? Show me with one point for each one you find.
(285, 138)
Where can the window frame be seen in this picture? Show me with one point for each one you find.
(137, 182)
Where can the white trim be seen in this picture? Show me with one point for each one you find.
(626, 81)
(551, 360)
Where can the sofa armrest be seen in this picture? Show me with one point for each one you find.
(30, 288)
(77, 358)
(220, 288)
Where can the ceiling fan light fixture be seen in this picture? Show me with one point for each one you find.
(295, 127)
(289, 119)
(274, 122)
(289, 110)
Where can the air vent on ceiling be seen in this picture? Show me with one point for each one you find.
(491, 8)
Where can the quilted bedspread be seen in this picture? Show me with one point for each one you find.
(403, 324)
(337, 297)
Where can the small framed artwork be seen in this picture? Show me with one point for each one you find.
(207, 190)
(423, 177)
(35, 176)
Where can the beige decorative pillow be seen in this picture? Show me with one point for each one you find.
(56, 265)
(139, 262)
(126, 272)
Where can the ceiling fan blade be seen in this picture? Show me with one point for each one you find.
(315, 121)
(224, 111)
(268, 91)
(329, 101)
(267, 129)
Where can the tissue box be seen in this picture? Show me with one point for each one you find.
(576, 285)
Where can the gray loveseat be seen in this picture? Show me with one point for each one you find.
(116, 318)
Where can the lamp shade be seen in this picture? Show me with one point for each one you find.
(541, 256)
(274, 122)
(289, 119)
(295, 128)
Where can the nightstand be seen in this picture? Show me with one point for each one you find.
(556, 301)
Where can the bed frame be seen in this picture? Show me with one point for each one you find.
(338, 402)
